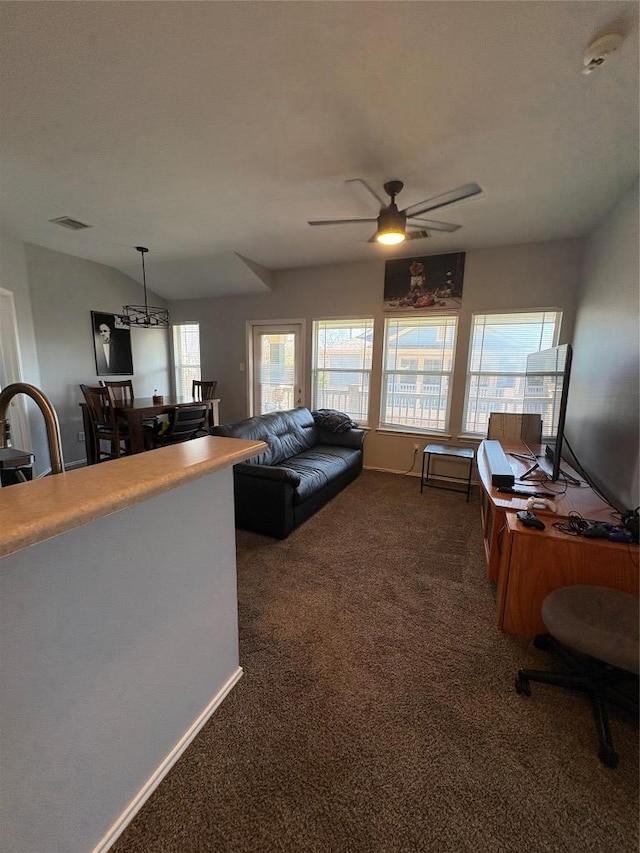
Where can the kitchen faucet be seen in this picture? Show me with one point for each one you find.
(50, 419)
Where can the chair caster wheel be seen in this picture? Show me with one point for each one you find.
(522, 685)
(608, 756)
(541, 641)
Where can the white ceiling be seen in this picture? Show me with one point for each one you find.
(212, 131)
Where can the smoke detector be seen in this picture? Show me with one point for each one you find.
(597, 52)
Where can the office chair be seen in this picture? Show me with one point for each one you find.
(594, 631)
(203, 390)
(184, 424)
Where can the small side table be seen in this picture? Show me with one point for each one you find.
(446, 450)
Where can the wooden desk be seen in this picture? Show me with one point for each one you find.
(141, 409)
(527, 564)
(535, 562)
(495, 505)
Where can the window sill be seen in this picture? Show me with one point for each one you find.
(439, 436)
(471, 438)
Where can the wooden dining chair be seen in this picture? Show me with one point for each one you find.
(203, 390)
(104, 424)
(185, 422)
(119, 392)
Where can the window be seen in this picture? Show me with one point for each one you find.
(500, 344)
(416, 376)
(186, 357)
(341, 366)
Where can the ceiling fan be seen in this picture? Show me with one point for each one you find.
(393, 224)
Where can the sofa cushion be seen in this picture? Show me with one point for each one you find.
(319, 466)
(285, 433)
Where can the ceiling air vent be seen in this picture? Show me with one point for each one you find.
(68, 222)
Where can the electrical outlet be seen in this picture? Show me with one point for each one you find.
(80, 436)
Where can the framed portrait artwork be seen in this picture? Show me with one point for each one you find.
(429, 283)
(112, 345)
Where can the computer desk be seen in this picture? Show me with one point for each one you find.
(526, 564)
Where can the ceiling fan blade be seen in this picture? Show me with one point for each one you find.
(380, 201)
(339, 221)
(465, 191)
(432, 224)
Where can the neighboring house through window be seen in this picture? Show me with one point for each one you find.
(416, 374)
(500, 344)
(341, 366)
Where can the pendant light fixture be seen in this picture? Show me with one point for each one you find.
(145, 316)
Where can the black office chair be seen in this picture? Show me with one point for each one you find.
(185, 422)
(594, 631)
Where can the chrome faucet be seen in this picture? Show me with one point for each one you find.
(50, 419)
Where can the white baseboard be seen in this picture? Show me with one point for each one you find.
(391, 471)
(411, 474)
(78, 463)
(149, 787)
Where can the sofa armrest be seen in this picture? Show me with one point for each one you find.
(278, 473)
(351, 438)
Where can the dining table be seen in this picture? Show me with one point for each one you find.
(141, 409)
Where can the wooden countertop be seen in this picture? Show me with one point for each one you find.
(37, 510)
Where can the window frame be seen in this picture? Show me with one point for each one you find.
(367, 324)
(178, 366)
(425, 384)
(489, 379)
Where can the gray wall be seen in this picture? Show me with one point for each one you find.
(534, 275)
(602, 415)
(55, 294)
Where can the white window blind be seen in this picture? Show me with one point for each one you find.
(500, 344)
(416, 376)
(341, 366)
(186, 357)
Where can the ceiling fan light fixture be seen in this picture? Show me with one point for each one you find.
(391, 226)
(390, 238)
(145, 316)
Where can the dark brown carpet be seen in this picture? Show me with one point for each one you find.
(377, 712)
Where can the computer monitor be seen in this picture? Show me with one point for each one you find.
(546, 391)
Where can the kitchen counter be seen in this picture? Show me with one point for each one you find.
(119, 635)
(34, 511)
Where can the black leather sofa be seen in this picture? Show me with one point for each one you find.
(304, 467)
